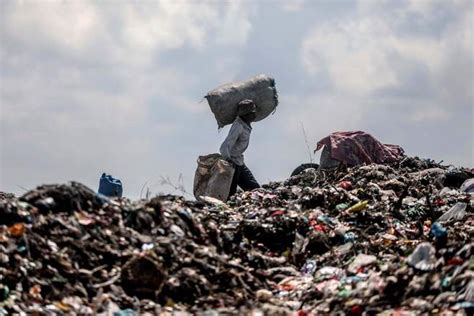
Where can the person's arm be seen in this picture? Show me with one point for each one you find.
(230, 141)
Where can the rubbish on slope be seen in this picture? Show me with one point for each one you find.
(291, 247)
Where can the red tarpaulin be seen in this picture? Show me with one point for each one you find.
(356, 148)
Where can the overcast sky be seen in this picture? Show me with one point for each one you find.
(116, 86)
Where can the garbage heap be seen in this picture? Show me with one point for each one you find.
(372, 239)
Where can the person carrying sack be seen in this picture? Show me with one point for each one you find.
(235, 144)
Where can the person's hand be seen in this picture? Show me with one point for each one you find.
(228, 160)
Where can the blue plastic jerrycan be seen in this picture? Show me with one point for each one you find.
(110, 186)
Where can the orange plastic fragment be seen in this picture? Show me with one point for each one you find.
(17, 230)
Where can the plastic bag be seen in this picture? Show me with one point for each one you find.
(468, 186)
(423, 257)
(456, 213)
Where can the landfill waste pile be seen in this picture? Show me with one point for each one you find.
(376, 239)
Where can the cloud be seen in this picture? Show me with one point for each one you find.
(126, 32)
(93, 86)
(293, 5)
(430, 114)
(373, 54)
(355, 54)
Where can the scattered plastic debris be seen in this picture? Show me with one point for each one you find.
(423, 258)
(374, 239)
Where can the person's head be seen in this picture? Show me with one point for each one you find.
(247, 110)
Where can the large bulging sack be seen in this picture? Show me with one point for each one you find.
(213, 177)
(224, 100)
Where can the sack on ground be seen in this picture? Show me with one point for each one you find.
(224, 100)
(213, 177)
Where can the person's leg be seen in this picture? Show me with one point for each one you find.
(246, 179)
(235, 180)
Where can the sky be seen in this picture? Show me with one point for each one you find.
(117, 86)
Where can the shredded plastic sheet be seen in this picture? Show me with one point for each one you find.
(357, 148)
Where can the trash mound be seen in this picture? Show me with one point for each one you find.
(394, 238)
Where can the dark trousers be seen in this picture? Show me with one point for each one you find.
(243, 177)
